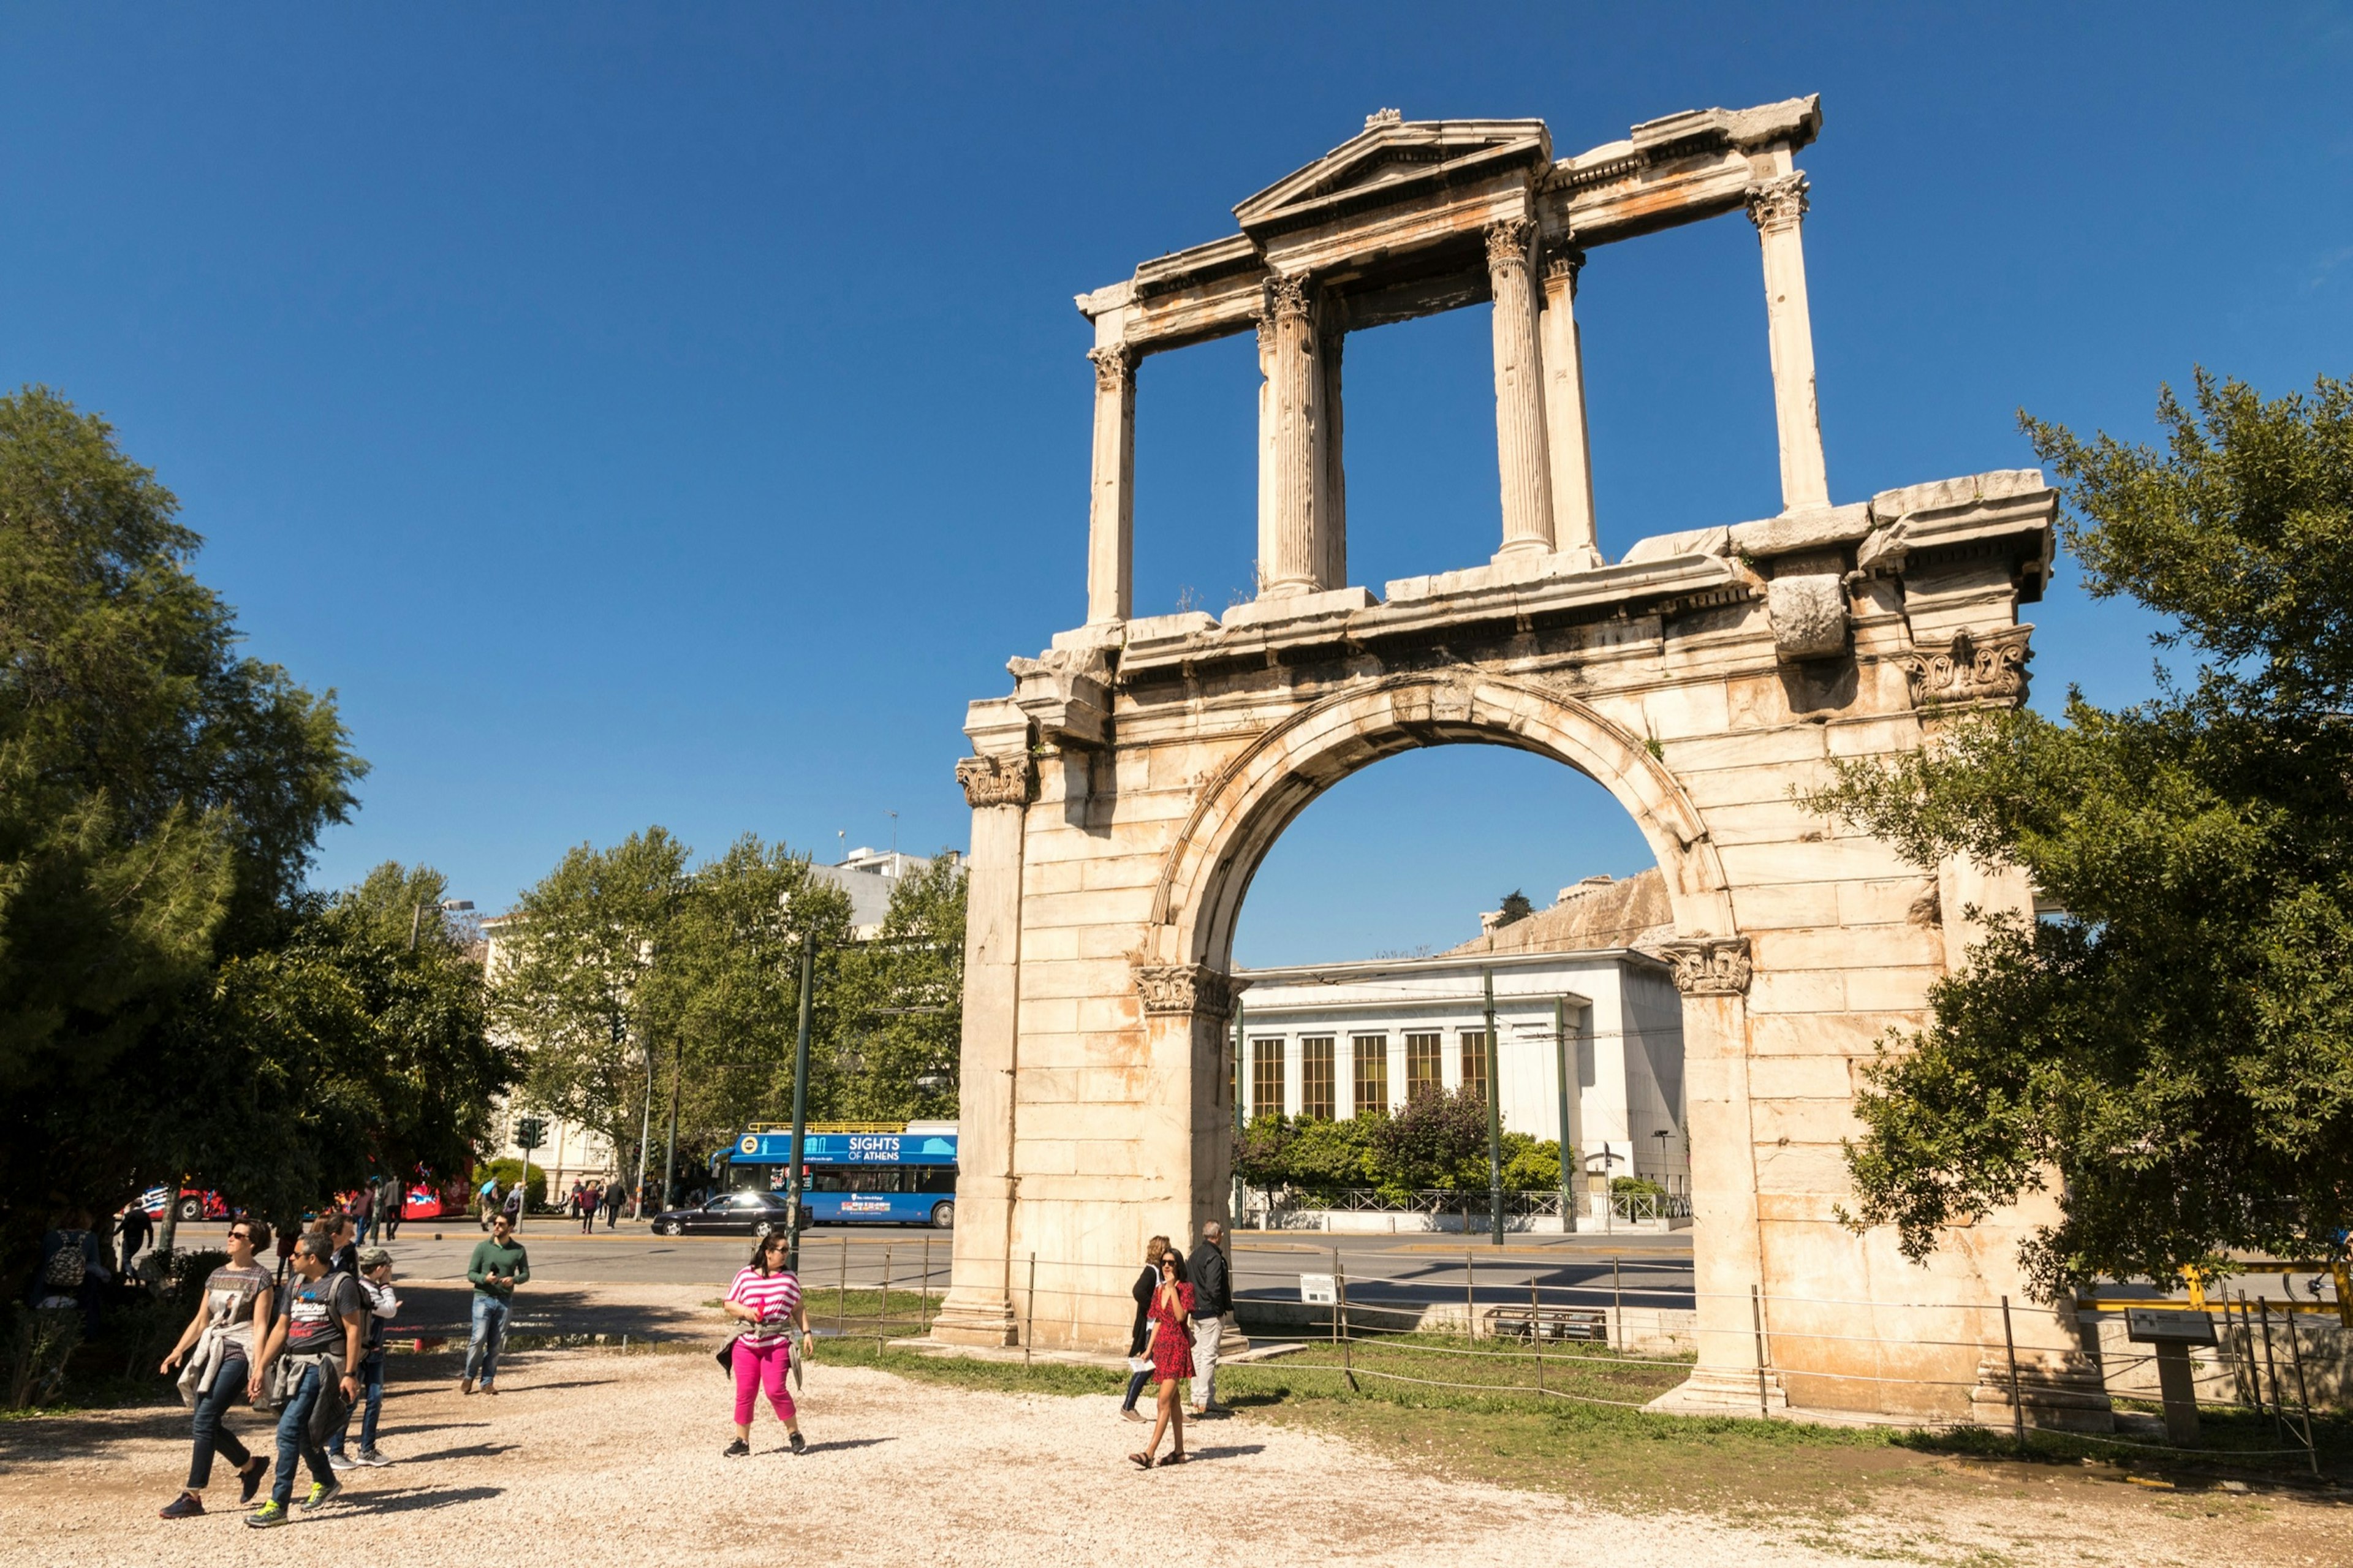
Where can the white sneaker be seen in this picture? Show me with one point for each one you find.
(376, 1458)
(342, 1462)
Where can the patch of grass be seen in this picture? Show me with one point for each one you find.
(960, 1371)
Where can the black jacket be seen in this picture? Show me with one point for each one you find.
(1145, 1284)
(1213, 1291)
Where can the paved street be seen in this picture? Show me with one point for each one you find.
(1652, 1271)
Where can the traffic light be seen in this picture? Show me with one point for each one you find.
(531, 1132)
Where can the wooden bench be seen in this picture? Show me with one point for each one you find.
(1548, 1323)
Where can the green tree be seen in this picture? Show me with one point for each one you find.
(2177, 1049)
(160, 799)
(902, 1009)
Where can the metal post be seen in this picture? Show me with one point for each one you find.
(1030, 1313)
(841, 1293)
(923, 1293)
(670, 1157)
(1568, 1067)
(2254, 1372)
(800, 1106)
(2303, 1395)
(882, 1318)
(1470, 1294)
(1336, 1297)
(2017, 1411)
(1494, 1118)
(1756, 1314)
(1535, 1329)
(1347, 1340)
(1617, 1308)
(2279, 1416)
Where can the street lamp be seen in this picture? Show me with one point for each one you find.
(800, 1095)
(448, 906)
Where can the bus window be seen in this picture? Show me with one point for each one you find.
(933, 1178)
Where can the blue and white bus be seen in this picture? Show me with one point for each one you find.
(866, 1176)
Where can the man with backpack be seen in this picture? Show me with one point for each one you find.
(310, 1369)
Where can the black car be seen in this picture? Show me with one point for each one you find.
(729, 1214)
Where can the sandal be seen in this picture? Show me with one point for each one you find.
(1141, 1461)
(1179, 1458)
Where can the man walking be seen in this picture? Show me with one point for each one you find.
(498, 1265)
(592, 1198)
(319, 1334)
(341, 1232)
(134, 1227)
(362, 1213)
(391, 1198)
(1213, 1298)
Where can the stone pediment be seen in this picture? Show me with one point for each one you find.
(1395, 160)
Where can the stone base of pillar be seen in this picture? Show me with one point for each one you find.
(2067, 1395)
(1275, 606)
(971, 1318)
(1722, 1391)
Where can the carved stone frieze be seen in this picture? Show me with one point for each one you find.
(1709, 965)
(998, 780)
(1115, 367)
(1194, 988)
(1988, 667)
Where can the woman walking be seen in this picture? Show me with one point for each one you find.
(230, 1324)
(767, 1296)
(1172, 1356)
(1147, 1285)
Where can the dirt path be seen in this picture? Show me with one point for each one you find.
(588, 1458)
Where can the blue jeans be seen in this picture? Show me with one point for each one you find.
(294, 1436)
(212, 1437)
(1135, 1381)
(490, 1334)
(371, 1376)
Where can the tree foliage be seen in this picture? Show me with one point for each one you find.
(2177, 1046)
(902, 1009)
(159, 797)
(1436, 1141)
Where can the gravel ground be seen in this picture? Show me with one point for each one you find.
(591, 1459)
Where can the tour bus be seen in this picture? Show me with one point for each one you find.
(866, 1173)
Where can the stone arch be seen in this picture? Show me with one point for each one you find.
(1258, 793)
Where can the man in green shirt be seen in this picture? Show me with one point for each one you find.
(498, 1265)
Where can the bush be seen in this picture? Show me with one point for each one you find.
(1530, 1166)
(1438, 1140)
(1637, 1186)
(506, 1171)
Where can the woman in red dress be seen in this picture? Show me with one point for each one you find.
(1172, 1356)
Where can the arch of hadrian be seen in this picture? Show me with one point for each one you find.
(1125, 792)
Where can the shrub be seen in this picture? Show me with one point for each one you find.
(535, 1188)
(1436, 1141)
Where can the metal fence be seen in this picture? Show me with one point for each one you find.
(1272, 1204)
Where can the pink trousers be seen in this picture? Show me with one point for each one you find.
(761, 1369)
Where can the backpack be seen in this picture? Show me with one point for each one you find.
(67, 1267)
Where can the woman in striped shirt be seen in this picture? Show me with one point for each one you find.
(767, 1297)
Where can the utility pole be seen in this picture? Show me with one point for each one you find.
(645, 1133)
(801, 1108)
(1568, 1066)
(1495, 1117)
(670, 1159)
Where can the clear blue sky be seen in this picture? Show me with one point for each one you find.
(675, 414)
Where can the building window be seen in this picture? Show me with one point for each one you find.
(1474, 1062)
(1316, 1075)
(1372, 1097)
(1424, 1069)
(1266, 1077)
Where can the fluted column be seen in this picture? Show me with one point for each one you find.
(1290, 545)
(1563, 405)
(1519, 393)
(999, 786)
(1111, 507)
(1778, 208)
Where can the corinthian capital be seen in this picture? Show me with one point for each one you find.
(1286, 297)
(1193, 988)
(996, 780)
(1777, 203)
(1564, 261)
(1115, 367)
(1710, 965)
(1507, 243)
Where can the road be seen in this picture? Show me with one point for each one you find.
(1651, 1269)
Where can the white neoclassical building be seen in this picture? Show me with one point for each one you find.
(1577, 1002)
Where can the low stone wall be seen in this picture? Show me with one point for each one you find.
(1641, 1331)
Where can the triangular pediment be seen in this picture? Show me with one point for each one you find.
(1401, 155)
